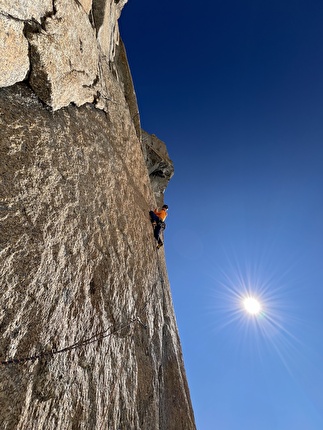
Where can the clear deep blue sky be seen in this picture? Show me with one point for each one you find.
(235, 90)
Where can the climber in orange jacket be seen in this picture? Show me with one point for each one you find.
(158, 221)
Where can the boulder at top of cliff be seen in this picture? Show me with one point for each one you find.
(64, 57)
(14, 64)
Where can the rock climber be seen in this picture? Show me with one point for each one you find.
(158, 222)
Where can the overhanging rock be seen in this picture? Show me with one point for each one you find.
(160, 166)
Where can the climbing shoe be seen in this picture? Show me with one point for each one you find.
(159, 245)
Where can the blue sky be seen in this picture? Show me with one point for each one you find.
(235, 90)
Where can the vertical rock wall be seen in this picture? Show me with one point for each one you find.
(84, 294)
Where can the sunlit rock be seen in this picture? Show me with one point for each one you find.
(64, 57)
(105, 15)
(24, 10)
(86, 4)
(14, 64)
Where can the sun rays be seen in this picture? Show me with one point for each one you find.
(257, 309)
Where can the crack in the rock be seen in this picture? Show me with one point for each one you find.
(32, 20)
(47, 15)
(7, 15)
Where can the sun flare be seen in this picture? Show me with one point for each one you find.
(252, 305)
(250, 299)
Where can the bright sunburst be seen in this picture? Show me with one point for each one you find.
(254, 291)
(252, 305)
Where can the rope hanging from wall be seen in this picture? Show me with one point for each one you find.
(95, 338)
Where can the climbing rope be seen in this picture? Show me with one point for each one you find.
(92, 339)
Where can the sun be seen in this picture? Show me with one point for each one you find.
(252, 305)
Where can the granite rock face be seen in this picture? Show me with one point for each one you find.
(88, 333)
(64, 57)
(69, 41)
(26, 10)
(14, 64)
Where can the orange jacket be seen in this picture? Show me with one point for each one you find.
(162, 214)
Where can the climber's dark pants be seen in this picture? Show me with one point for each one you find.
(157, 228)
